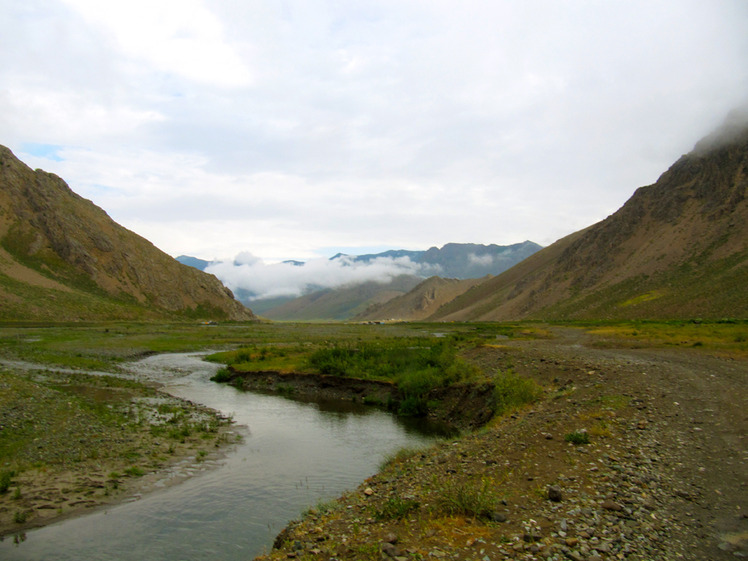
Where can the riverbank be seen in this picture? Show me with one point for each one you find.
(633, 454)
(72, 442)
(460, 407)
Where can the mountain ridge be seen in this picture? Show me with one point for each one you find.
(676, 248)
(64, 258)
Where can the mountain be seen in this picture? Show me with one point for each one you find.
(64, 258)
(459, 260)
(421, 302)
(676, 249)
(340, 303)
(196, 262)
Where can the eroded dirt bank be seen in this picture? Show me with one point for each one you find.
(462, 407)
(662, 477)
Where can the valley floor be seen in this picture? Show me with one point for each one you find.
(662, 477)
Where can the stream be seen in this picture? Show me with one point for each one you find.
(294, 455)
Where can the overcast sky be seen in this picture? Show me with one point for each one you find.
(296, 129)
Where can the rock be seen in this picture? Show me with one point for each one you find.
(390, 550)
(555, 494)
(390, 538)
(498, 517)
(611, 505)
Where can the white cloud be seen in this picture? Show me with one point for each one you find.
(483, 260)
(213, 128)
(287, 279)
(182, 37)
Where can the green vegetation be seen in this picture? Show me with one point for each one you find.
(6, 477)
(415, 366)
(726, 336)
(578, 437)
(468, 498)
(396, 508)
(512, 391)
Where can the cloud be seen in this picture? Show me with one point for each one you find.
(483, 260)
(182, 37)
(262, 280)
(210, 127)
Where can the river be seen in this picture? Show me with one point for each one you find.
(294, 455)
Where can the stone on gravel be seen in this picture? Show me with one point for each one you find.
(555, 494)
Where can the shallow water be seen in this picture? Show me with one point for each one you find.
(293, 456)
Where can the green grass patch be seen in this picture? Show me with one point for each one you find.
(396, 508)
(512, 391)
(727, 335)
(471, 497)
(577, 437)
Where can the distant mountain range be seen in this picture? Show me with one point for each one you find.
(454, 260)
(459, 260)
(62, 258)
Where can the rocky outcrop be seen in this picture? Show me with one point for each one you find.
(47, 228)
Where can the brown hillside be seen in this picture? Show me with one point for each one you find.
(341, 304)
(421, 302)
(62, 257)
(675, 249)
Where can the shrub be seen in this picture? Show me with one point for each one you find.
(417, 366)
(578, 437)
(5, 480)
(20, 517)
(512, 391)
(222, 376)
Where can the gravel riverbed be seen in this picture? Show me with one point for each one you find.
(663, 475)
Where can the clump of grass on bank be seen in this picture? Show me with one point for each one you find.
(477, 499)
(512, 391)
(396, 508)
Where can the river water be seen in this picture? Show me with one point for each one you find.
(293, 456)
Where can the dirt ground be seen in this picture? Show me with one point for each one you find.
(662, 477)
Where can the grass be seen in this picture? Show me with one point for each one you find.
(725, 336)
(471, 497)
(578, 437)
(512, 391)
(396, 508)
(6, 477)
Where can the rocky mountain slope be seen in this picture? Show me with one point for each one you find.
(677, 248)
(64, 258)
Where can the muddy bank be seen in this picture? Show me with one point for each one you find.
(461, 407)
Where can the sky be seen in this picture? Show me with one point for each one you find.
(296, 129)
